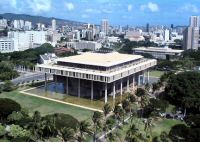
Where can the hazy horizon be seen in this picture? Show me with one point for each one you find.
(126, 12)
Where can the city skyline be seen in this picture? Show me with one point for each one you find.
(131, 12)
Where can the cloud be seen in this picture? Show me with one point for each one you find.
(85, 16)
(153, 7)
(189, 8)
(90, 10)
(39, 6)
(130, 7)
(69, 6)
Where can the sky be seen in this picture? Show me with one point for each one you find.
(118, 12)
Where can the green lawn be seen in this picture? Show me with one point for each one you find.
(46, 106)
(157, 128)
(155, 73)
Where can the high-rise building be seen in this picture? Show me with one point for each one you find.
(53, 25)
(27, 25)
(166, 35)
(27, 39)
(194, 21)
(172, 26)
(3, 23)
(147, 28)
(105, 26)
(191, 34)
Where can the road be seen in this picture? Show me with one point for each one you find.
(29, 77)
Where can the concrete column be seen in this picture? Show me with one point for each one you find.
(92, 91)
(67, 86)
(121, 87)
(55, 78)
(143, 81)
(79, 89)
(114, 92)
(45, 84)
(106, 93)
(148, 76)
(127, 84)
(133, 82)
(139, 80)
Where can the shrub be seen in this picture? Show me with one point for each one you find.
(7, 106)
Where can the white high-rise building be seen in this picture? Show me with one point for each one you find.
(77, 35)
(27, 25)
(3, 23)
(105, 26)
(27, 39)
(191, 34)
(21, 23)
(6, 45)
(16, 24)
(166, 35)
(53, 25)
(194, 21)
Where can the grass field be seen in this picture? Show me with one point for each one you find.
(155, 73)
(157, 128)
(46, 106)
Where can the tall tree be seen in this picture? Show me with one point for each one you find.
(84, 128)
(106, 109)
(96, 118)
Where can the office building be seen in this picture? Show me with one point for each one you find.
(147, 28)
(159, 52)
(81, 45)
(166, 35)
(98, 75)
(194, 21)
(105, 26)
(27, 39)
(3, 23)
(53, 25)
(27, 25)
(191, 34)
(6, 45)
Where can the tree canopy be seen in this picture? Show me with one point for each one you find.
(183, 90)
(7, 106)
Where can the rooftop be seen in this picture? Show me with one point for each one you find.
(159, 49)
(99, 59)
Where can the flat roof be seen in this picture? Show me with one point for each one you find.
(158, 49)
(100, 59)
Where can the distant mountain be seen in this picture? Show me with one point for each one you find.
(39, 19)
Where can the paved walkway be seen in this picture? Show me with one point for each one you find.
(58, 101)
(102, 137)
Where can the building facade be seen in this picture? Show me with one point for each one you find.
(24, 40)
(6, 45)
(98, 75)
(159, 52)
(105, 26)
(191, 34)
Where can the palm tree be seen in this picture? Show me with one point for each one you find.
(106, 109)
(122, 114)
(83, 128)
(144, 102)
(67, 134)
(148, 125)
(117, 112)
(132, 135)
(96, 118)
(36, 126)
(126, 105)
